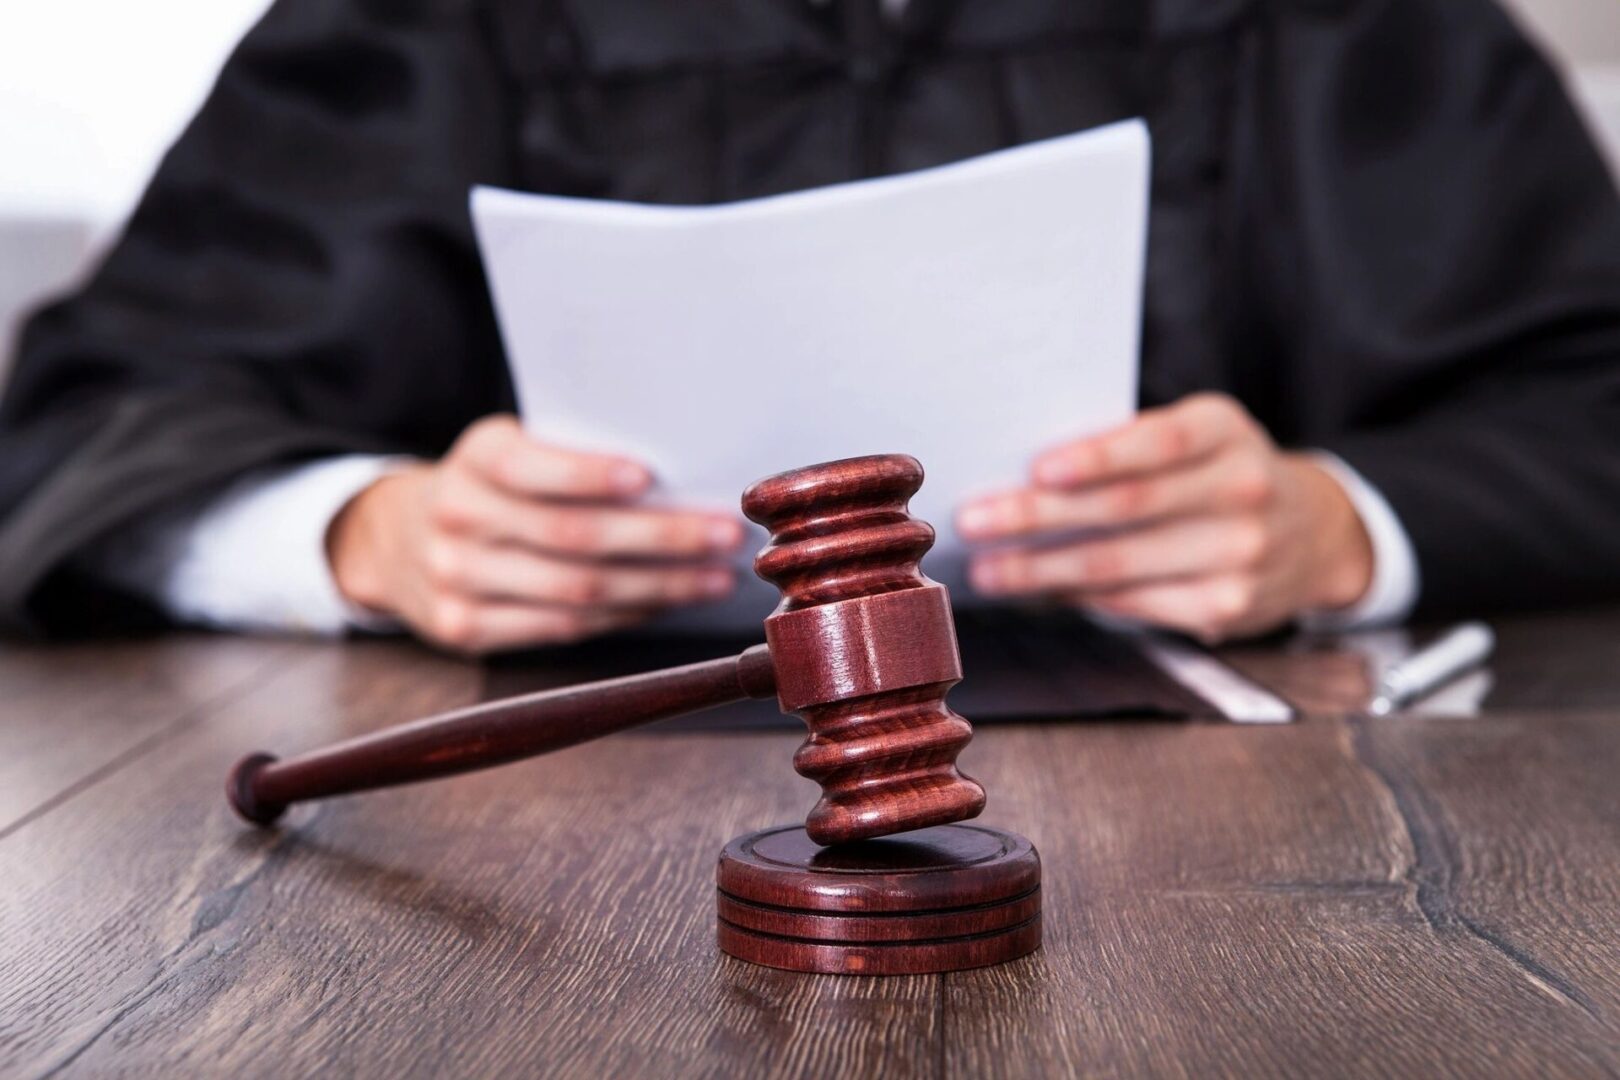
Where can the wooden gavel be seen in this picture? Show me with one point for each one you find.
(862, 648)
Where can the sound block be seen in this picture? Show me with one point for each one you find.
(939, 899)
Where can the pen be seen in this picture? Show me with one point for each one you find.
(1427, 670)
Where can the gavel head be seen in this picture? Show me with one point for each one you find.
(864, 647)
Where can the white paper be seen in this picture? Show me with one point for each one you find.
(968, 315)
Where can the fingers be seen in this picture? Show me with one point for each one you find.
(1210, 608)
(1228, 482)
(1158, 439)
(514, 575)
(1191, 519)
(516, 542)
(498, 450)
(1174, 549)
(465, 506)
(472, 628)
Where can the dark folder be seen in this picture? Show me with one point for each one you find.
(1018, 665)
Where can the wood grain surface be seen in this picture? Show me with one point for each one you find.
(1342, 896)
(68, 713)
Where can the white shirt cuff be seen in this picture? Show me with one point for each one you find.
(253, 557)
(1395, 582)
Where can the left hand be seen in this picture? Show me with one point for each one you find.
(1201, 524)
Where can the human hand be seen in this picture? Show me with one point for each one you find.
(1201, 524)
(508, 542)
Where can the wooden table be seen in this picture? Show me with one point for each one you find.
(1410, 896)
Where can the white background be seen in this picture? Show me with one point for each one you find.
(91, 91)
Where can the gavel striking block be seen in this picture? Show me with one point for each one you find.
(862, 648)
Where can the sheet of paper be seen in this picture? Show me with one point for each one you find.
(968, 315)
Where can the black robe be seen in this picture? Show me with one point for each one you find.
(1378, 223)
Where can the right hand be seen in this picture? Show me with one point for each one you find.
(508, 542)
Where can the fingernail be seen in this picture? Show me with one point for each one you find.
(725, 533)
(986, 576)
(716, 583)
(628, 477)
(977, 519)
(1055, 471)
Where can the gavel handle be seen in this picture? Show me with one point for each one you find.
(260, 787)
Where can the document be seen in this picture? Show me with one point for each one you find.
(969, 315)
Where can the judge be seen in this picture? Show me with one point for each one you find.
(1380, 374)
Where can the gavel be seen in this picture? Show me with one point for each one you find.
(862, 647)
(882, 878)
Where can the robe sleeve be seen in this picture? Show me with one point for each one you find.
(298, 280)
(1438, 248)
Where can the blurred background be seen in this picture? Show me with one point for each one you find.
(92, 91)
